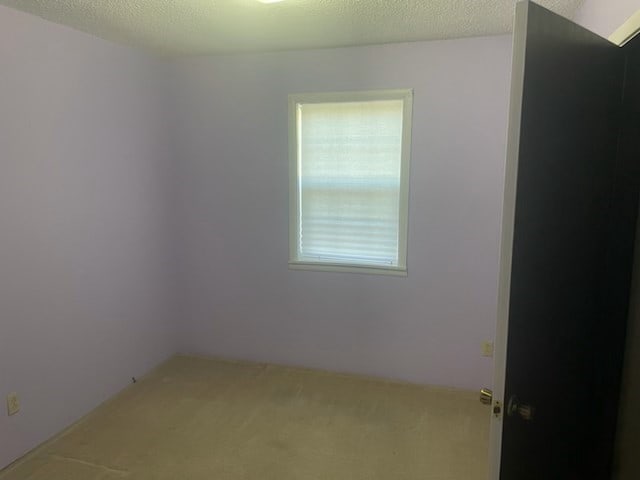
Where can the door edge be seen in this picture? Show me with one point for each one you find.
(507, 229)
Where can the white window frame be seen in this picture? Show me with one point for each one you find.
(406, 95)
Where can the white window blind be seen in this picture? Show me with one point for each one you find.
(349, 182)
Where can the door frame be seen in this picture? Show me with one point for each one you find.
(628, 30)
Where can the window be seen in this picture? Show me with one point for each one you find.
(349, 178)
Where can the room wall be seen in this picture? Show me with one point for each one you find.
(243, 302)
(86, 294)
(604, 17)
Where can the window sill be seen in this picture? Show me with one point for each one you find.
(345, 268)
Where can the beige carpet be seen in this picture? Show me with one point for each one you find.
(195, 418)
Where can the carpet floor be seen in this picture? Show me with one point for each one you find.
(195, 418)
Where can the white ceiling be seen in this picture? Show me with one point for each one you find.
(217, 26)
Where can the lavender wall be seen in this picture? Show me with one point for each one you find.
(85, 262)
(604, 17)
(232, 141)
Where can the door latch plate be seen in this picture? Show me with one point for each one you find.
(497, 409)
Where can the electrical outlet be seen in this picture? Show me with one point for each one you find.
(13, 403)
(487, 349)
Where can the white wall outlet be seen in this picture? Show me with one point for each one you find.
(487, 349)
(13, 403)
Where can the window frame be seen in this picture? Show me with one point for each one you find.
(406, 95)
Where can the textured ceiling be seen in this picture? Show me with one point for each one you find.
(215, 26)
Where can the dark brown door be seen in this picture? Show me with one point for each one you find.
(568, 284)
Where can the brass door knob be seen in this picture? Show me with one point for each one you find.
(486, 396)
